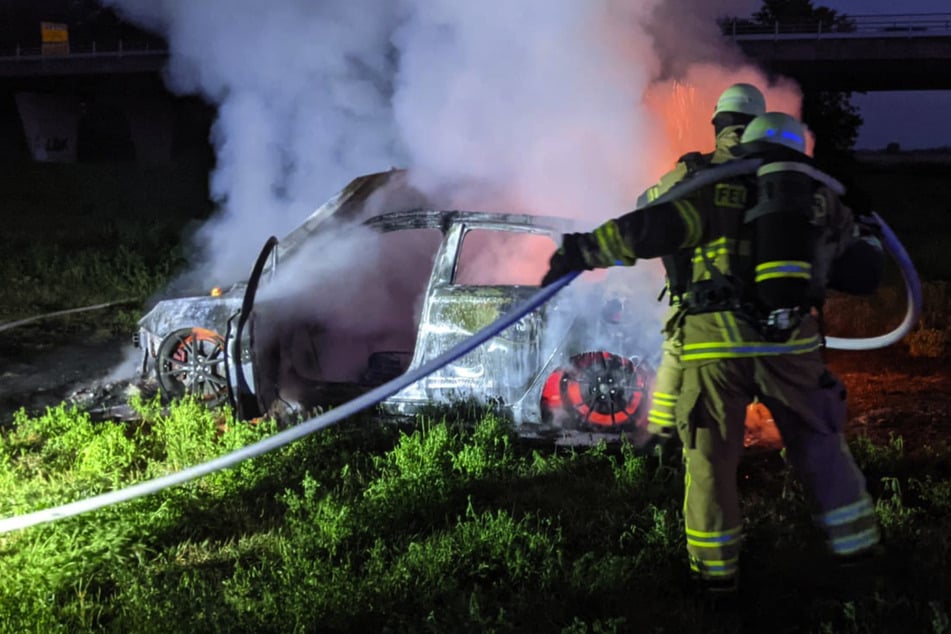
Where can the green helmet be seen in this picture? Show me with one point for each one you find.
(776, 127)
(742, 98)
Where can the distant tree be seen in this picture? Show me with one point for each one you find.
(829, 114)
(802, 11)
(833, 119)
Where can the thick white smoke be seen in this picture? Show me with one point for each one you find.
(543, 100)
(562, 107)
(303, 96)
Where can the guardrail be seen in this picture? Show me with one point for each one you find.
(846, 26)
(849, 26)
(93, 49)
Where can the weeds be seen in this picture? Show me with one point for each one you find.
(455, 526)
(448, 528)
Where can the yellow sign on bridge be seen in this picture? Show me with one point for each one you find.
(55, 38)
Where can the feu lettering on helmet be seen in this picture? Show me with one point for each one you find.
(726, 195)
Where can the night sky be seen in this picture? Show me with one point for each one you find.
(912, 119)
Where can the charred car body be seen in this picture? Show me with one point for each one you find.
(378, 282)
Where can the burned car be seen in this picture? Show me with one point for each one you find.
(182, 338)
(376, 284)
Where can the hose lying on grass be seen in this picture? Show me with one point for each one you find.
(287, 436)
(61, 313)
(381, 392)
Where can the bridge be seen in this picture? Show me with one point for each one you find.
(859, 53)
(862, 53)
(94, 58)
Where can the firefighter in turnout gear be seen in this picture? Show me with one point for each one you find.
(764, 249)
(735, 108)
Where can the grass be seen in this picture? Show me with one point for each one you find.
(370, 527)
(453, 526)
(108, 232)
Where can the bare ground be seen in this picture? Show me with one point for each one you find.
(41, 366)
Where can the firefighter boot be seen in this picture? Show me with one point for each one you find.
(861, 574)
(719, 595)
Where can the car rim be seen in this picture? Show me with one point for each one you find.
(191, 362)
(597, 390)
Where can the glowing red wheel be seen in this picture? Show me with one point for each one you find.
(597, 390)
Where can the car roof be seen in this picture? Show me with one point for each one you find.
(443, 219)
(402, 206)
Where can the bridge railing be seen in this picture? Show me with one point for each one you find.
(96, 49)
(861, 26)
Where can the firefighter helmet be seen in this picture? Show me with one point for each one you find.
(776, 127)
(742, 98)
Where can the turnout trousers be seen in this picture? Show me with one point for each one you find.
(668, 378)
(808, 405)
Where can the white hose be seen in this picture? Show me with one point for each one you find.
(287, 436)
(913, 298)
(364, 401)
(60, 313)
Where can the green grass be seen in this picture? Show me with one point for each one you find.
(450, 527)
(83, 234)
(370, 527)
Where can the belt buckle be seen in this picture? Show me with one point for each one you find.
(781, 321)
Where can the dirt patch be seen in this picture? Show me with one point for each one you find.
(893, 393)
(42, 366)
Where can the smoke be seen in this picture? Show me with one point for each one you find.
(540, 103)
(302, 91)
(561, 107)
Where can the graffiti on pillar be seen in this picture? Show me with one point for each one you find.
(50, 124)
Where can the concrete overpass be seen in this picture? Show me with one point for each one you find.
(116, 58)
(868, 53)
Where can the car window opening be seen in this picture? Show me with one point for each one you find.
(364, 337)
(502, 258)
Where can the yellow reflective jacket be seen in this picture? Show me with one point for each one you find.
(725, 140)
(710, 223)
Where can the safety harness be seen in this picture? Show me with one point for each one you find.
(678, 265)
(784, 238)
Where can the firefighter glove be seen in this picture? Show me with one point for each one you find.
(565, 260)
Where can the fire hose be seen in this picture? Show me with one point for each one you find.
(913, 297)
(287, 436)
(61, 313)
(364, 401)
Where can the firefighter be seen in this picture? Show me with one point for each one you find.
(764, 249)
(735, 108)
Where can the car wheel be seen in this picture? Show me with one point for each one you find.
(191, 361)
(597, 390)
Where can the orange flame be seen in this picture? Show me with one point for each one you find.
(684, 108)
(761, 429)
